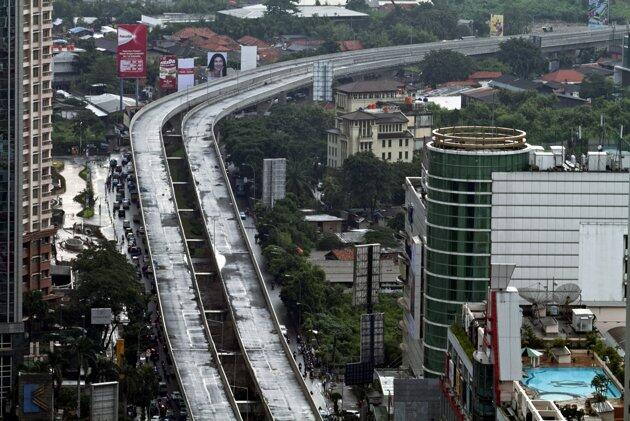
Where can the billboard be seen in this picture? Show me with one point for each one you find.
(359, 373)
(104, 401)
(185, 73)
(322, 80)
(101, 316)
(131, 54)
(274, 180)
(597, 13)
(372, 323)
(217, 65)
(249, 57)
(35, 396)
(366, 280)
(496, 25)
(168, 73)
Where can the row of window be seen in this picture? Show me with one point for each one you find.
(390, 128)
(373, 95)
(388, 156)
(461, 198)
(457, 265)
(475, 166)
(387, 143)
(464, 186)
(456, 289)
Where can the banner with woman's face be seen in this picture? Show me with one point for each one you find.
(217, 65)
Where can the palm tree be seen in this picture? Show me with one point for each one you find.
(600, 383)
(298, 181)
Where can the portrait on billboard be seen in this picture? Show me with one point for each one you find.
(217, 65)
(496, 25)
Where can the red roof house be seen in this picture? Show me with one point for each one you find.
(563, 76)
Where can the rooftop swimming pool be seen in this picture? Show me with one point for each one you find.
(565, 383)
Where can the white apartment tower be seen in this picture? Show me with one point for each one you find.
(37, 121)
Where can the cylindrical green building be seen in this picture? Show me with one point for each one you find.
(459, 169)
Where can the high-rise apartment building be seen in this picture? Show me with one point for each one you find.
(11, 92)
(37, 145)
(458, 184)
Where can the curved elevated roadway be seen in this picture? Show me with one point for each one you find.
(282, 389)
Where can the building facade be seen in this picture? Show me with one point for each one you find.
(11, 92)
(562, 227)
(359, 95)
(387, 135)
(460, 162)
(37, 145)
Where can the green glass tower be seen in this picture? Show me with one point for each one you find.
(460, 162)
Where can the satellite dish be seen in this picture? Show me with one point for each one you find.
(536, 295)
(567, 293)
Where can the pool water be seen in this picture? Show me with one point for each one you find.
(564, 383)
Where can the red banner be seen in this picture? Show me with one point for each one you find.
(131, 55)
(168, 72)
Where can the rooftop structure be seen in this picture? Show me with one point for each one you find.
(257, 11)
(175, 18)
(468, 138)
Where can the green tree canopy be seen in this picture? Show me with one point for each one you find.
(522, 56)
(441, 66)
(596, 86)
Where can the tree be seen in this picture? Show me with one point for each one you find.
(280, 8)
(106, 279)
(600, 383)
(365, 178)
(596, 86)
(140, 385)
(440, 66)
(522, 56)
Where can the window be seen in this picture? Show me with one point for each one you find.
(389, 143)
(400, 143)
(383, 156)
(400, 155)
(389, 156)
(383, 143)
(406, 142)
(35, 212)
(406, 154)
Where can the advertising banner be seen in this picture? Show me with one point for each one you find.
(168, 73)
(249, 57)
(131, 55)
(185, 73)
(496, 25)
(597, 13)
(217, 65)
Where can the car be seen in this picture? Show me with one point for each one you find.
(113, 163)
(118, 168)
(121, 213)
(242, 215)
(134, 250)
(283, 329)
(131, 237)
(126, 224)
(140, 232)
(162, 389)
(175, 395)
(126, 203)
(114, 182)
(136, 218)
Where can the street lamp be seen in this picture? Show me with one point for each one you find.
(253, 177)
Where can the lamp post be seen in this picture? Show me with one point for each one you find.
(253, 178)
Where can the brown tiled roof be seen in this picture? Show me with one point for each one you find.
(350, 45)
(483, 75)
(191, 32)
(564, 76)
(250, 40)
(370, 86)
(346, 254)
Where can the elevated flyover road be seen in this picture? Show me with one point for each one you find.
(196, 110)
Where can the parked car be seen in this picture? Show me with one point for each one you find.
(126, 203)
(134, 250)
(126, 224)
(136, 218)
(162, 389)
(242, 215)
(121, 213)
(113, 163)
